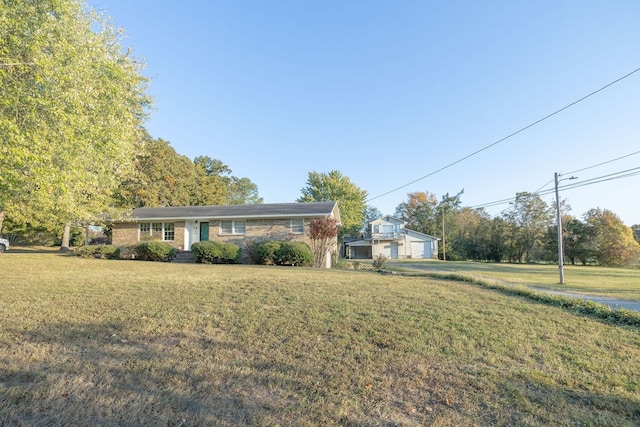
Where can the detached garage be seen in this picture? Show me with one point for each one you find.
(389, 238)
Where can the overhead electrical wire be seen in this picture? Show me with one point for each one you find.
(603, 163)
(609, 177)
(506, 137)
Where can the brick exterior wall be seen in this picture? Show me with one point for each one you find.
(126, 235)
(257, 230)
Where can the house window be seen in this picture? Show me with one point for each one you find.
(297, 226)
(388, 229)
(157, 230)
(232, 227)
(169, 231)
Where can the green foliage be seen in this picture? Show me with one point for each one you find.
(239, 191)
(162, 177)
(335, 187)
(73, 101)
(212, 252)
(528, 219)
(155, 251)
(420, 212)
(294, 253)
(99, 251)
(636, 232)
(265, 252)
(278, 252)
(611, 242)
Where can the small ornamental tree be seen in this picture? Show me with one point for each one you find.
(323, 233)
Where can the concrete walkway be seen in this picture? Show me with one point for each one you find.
(615, 304)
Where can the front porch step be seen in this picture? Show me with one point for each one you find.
(184, 257)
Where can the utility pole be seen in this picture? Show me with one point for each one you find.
(444, 245)
(559, 220)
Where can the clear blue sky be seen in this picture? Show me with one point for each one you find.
(388, 92)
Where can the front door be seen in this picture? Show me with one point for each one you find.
(204, 231)
(394, 250)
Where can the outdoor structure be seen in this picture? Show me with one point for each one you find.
(182, 226)
(388, 236)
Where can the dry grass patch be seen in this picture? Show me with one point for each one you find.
(122, 342)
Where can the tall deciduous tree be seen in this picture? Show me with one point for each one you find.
(420, 212)
(612, 242)
(371, 213)
(72, 104)
(528, 218)
(636, 232)
(165, 178)
(333, 186)
(240, 191)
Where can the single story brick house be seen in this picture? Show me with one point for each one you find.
(182, 226)
(388, 236)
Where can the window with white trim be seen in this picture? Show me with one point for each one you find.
(233, 227)
(296, 226)
(157, 230)
(169, 231)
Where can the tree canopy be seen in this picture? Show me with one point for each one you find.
(419, 211)
(333, 186)
(163, 177)
(611, 242)
(73, 101)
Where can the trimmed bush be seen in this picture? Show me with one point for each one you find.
(99, 251)
(265, 252)
(294, 253)
(279, 252)
(155, 251)
(210, 252)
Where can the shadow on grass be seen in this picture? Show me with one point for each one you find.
(98, 374)
(101, 374)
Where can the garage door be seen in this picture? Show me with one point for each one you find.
(417, 249)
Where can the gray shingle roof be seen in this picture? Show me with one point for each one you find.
(269, 210)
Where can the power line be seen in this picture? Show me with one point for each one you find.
(507, 137)
(603, 178)
(603, 163)
(590, 167)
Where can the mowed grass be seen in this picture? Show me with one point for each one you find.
(96, 342)
(621, 283)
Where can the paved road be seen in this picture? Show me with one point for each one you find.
(614, 303)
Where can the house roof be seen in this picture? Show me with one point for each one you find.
(268, 210)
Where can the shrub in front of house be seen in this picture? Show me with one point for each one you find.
(99, 251)
(210, 252)
(279, 252)
(155, 251)
(265, 252)
(295, 253)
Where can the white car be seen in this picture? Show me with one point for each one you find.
(4, 245)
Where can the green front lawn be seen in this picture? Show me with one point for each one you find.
(97, 342)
